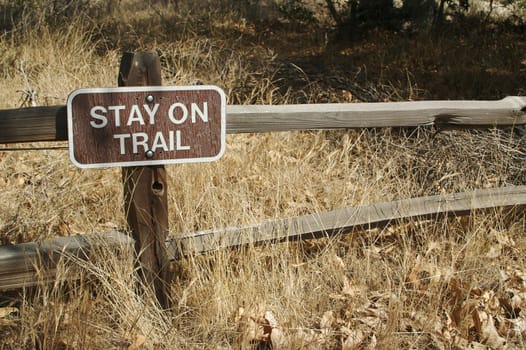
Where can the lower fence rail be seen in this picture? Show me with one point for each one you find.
(28, 264)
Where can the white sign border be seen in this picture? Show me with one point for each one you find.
(69, 106)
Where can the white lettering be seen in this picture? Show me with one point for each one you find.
(151, 113)
(135, 116)
(122, 138)
(103, 121)
(136, 142)
(140, 139)
(171, 113)
(117, 113)
(203, 113)
(159, 142)
(178, 138)
(171, 136)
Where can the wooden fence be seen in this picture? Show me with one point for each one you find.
(21, 264)
(49, 123)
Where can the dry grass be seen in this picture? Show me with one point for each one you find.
(433, 284)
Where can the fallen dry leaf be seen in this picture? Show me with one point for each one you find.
(372, 342)
(271, 319)
(354, 339)
(6, 311)
(327, 320)
(278, 339)
(6, 314)
(485, 326)
(491, 302)
(254, 325)
(433, 245)
(518, 327)
(138, 342)
(494, 251)
(518, 299)
(503, 238)
(352, 290)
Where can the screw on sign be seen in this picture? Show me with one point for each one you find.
(135, 126)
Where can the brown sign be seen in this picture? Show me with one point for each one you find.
(136, 126)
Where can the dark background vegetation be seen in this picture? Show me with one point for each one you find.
(372, 50)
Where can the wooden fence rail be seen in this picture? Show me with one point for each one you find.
(347, 220)
(49, 123)
(28, 264)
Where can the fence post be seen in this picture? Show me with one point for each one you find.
(145, 191)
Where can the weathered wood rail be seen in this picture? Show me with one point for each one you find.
(346, 220)
(29, 264)
(49, 123)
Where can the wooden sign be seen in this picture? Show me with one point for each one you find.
(137, 126)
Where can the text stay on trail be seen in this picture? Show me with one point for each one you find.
(138, 126)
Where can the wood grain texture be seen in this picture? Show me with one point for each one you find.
(28, 264)
(33, 124)
(193, 138)
(49, 123)
(257, 118)
(348, 219)
(145, 191)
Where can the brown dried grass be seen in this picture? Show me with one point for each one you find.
(411, 285)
